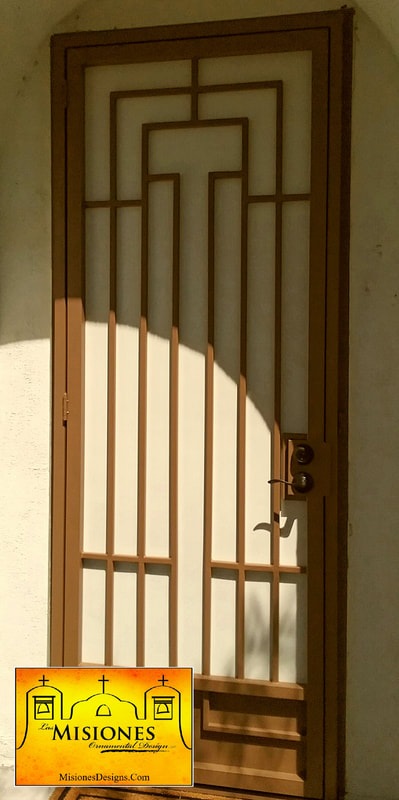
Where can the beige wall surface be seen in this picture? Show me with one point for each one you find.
(25, 321)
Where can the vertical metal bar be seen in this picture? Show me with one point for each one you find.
(210, 351)
(142, 437)
(173, 449)
(276, 456)
(341, 44)
(316, 413)
(75, 365)
(194, 89)
(241, 416)
(59, 355)
(111, 391)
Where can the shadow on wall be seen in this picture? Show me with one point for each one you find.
(25, 211)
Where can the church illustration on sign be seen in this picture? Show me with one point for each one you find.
(160, 703)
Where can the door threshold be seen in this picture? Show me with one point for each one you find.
(133, 793)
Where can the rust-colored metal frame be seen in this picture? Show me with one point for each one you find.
(69, 53)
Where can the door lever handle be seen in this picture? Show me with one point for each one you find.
(303, 482)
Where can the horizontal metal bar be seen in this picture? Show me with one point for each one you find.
(233, 87)
(115, 557)
(201, 123)
(125, 94)
(247, 686)
(279, 197)
(233, 565)
(111, 203)
(162, 176)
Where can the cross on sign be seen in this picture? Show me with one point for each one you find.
(163, 680)
(103, 680)
(43, 680)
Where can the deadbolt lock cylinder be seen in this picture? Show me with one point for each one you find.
(303, 453)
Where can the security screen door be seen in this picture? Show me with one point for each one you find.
(201, 344)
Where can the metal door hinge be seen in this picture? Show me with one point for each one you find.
(65, 407)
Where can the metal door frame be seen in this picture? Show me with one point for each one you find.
(338, 25)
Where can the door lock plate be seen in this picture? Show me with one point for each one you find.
(297, 454)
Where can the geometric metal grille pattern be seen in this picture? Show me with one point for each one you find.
(239, 569)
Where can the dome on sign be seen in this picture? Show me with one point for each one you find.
(103, 711)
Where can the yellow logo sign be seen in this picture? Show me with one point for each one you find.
(102, 727)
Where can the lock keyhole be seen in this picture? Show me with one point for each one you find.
(303, 453)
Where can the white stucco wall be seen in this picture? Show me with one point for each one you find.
(25, 315)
